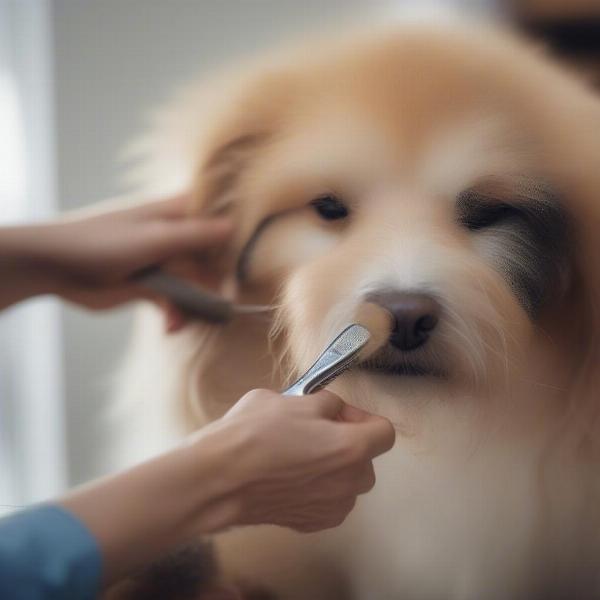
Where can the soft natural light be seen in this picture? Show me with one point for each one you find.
(12, 152)
(428, 10)
(32, 435)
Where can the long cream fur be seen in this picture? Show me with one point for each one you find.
(492, 488)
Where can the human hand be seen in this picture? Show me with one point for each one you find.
(101, 253)
(300, 462)
(91, 260)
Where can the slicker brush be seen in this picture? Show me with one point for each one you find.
(371, 329)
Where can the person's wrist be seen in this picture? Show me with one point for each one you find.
(219, 492)
(54, 254)
(26, 267)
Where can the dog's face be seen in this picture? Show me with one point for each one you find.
(407, 175)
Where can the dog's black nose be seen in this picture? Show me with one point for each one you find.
(415, 317)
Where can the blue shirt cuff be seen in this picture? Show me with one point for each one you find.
(47, 553)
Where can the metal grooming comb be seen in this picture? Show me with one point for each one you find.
(335, 359)
(193, 301)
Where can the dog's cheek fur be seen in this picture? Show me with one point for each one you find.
(286, 246)
(482, 333)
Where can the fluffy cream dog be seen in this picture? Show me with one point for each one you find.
(452, 176)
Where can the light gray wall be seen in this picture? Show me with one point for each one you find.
(114, 60)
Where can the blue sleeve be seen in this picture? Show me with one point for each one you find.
(46, 553)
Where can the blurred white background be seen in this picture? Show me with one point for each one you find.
(76, 78)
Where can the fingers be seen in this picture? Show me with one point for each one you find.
(192, 235)
(352, 414)
(328, 500)
(314, 485)
(174, 319)
(170, 208)
(106, 297)
(258, 397)
(174, 230)
(376, 434)
(349, 481)
(326, 403)
(320, 516)
(366, 480)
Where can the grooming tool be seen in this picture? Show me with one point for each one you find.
(336, 358)
(355, 342)
(196, 302)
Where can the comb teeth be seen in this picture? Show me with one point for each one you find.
(353, 337)
(335, 359)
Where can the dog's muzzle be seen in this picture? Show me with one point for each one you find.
(416, 316)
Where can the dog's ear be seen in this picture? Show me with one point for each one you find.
(217, 179)
(242, 130)
(216, 193)
(241, 346)
(250, 115)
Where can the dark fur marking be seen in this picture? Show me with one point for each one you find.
(529, 220)
(182, 575)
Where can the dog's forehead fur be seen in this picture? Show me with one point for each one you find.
(434, 104)
(427, 111)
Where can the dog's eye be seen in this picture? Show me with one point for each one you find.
(486, 216)
(477, 214)
(330, 208)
